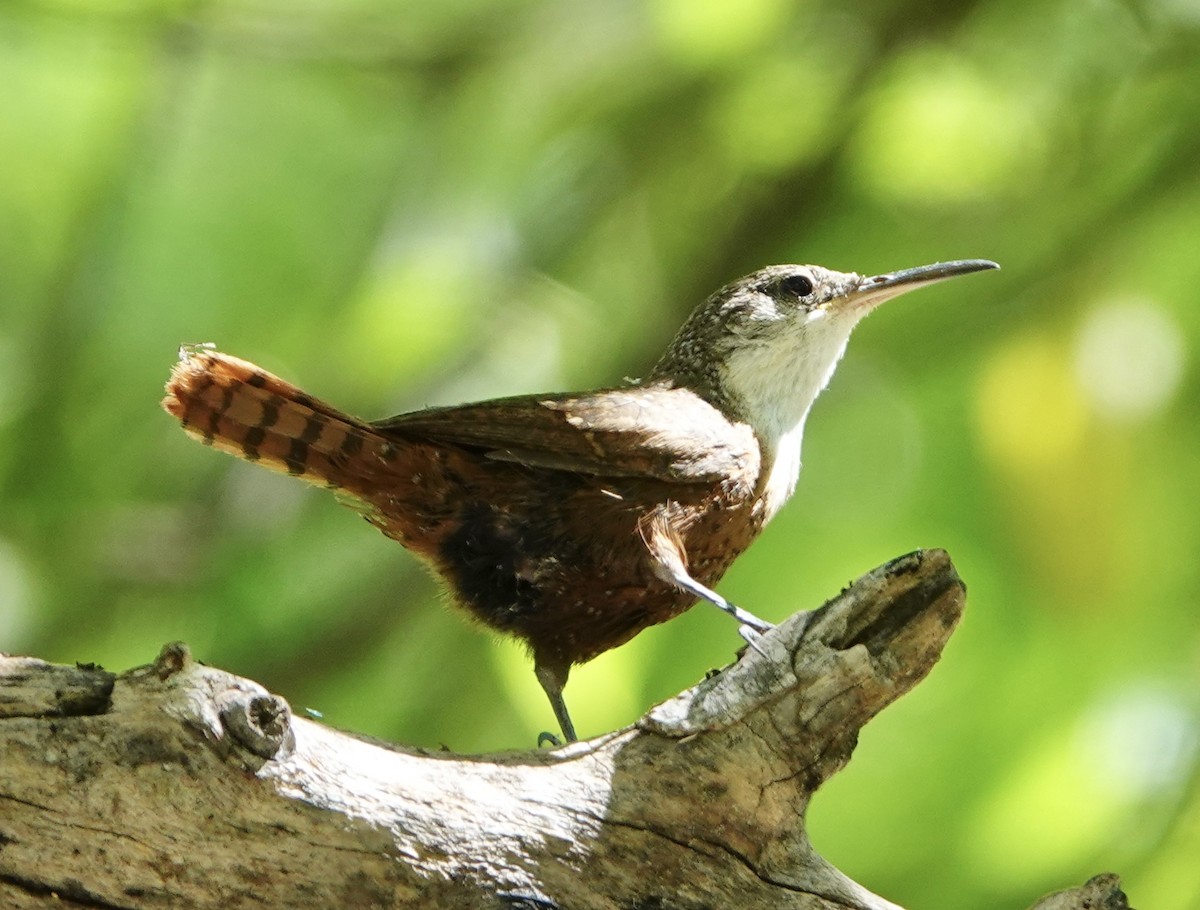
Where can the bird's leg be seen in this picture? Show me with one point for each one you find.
(746, 619)
(750, 627)
(553, 678)
(670, 564)
(749, 623)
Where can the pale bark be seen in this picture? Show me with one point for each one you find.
(179, 785)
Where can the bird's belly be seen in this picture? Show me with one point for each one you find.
(571, 573)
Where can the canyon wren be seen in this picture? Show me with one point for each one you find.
(573, 521)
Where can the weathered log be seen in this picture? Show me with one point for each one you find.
(180, 785)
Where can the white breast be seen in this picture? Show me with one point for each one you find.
(776, 382)
(784, 472)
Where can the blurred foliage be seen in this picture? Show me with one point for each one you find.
(397, 203)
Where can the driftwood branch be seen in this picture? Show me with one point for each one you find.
(179, 785)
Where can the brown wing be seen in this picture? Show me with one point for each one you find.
(664, 433)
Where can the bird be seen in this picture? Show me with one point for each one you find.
(573, 521)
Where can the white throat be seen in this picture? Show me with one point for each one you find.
(775, 382)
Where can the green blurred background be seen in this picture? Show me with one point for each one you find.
(397, 204)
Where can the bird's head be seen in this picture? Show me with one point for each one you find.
(763, 347)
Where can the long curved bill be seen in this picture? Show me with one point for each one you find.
(875, 290)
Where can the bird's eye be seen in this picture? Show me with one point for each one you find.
(796, 285)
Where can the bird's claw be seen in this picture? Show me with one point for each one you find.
(751, 636)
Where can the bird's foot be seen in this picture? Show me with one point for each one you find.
(751, 635)
(750, 623)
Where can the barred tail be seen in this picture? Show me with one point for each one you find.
(234, 406)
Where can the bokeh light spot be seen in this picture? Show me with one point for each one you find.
(1144, 738)
(702, 32)
(938, 132)
(782, 111)
(1030, 412)
(1129, 359)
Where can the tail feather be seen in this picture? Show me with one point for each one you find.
(235, 406)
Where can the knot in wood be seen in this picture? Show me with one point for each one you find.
(174, 657)
(260, 723)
